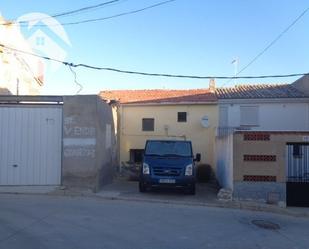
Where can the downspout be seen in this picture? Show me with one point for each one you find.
(119, 133)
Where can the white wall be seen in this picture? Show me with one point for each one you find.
(224, 161)
(18, 71)
(273, 116)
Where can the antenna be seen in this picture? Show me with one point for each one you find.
(235, 62)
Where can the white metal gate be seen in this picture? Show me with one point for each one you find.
(30, 145)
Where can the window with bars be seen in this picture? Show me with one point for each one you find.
(181, 117)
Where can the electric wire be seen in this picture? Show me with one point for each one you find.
(101, 18)
(71, 12)
(76, 65)
(75, 79)
(277, 38)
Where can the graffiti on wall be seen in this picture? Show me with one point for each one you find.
(79, 141)
(79, 152)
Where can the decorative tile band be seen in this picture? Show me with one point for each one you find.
(255, 178)
(263, 158)
(256, 136)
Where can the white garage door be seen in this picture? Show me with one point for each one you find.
(30, 145)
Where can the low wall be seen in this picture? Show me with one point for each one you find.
(89, 147)
(259, 163)
(269, 192)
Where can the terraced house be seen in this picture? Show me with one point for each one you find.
(262, 142)
(255, 137)
(165, 114)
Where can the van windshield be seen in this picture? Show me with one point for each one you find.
(168, 148)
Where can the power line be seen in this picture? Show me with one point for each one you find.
(270, 44)
(70, 12)
(104, 18)
(80, 86)
(28, 68)
(85, 9)
(74, 65)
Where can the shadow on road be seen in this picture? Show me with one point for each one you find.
(123, 188)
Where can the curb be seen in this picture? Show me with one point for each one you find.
(240, 205)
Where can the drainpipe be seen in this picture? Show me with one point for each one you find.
(17, 86)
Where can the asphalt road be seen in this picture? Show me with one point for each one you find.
(32, 222)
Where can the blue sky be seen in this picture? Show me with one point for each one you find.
(193, 37)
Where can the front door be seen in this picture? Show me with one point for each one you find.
(297, 187)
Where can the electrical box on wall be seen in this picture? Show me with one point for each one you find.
(205, 121)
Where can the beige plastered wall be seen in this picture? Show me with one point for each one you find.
(166, 127)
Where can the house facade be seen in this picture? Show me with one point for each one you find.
(255, 137)
(259, 126)
(263, 107)
(165, 114)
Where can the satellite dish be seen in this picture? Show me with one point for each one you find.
(205, 121)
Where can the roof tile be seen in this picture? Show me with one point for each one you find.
(203, 95)
(160, 96)
(259, 91)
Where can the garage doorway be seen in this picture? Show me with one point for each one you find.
(30, 144)
(297, 187)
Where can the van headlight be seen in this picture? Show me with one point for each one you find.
(189, 170)
(146, 169)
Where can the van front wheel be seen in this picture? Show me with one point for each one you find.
(142, 187)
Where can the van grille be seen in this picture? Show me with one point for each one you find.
(162, 171)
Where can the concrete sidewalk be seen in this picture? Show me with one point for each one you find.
(206, 195)
(122, 188)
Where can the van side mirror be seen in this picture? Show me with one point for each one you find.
(198, 157)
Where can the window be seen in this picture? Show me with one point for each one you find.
(136, 155)
(297, 150)
(249, 115)
(148, 124)
(169, 148)
(223, 116)
(182, 117)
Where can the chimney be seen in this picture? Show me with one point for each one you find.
(302, 84)
(212, 85)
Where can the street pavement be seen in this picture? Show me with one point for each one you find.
(37, 221)
(124, 189)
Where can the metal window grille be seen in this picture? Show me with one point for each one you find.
(182, 117)
(297, 162)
